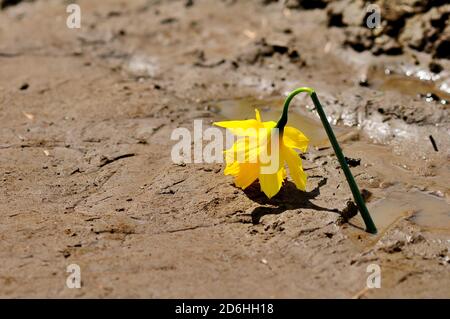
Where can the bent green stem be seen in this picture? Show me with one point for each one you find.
(370, 226)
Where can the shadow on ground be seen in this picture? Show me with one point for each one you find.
(288, 198)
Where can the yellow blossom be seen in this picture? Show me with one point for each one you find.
(243, 159)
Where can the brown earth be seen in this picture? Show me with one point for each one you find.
(86, 175)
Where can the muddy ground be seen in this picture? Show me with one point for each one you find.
(86, 175)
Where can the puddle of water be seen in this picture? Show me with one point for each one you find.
(401, 167)
(270, 110)
(413, 84)
(427, 211)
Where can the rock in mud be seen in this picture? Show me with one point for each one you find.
(386, 45)
(428, 31)
(350, 210)
(261, 50)
(8, 3)
(346, 13)
(442, 47)
(306, 4)
(416, 24)
(359, 39)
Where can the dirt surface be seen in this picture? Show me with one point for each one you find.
(86, 175)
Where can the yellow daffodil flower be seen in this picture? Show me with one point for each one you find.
(244, 161)
(250, 167)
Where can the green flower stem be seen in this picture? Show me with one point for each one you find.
(370, 226)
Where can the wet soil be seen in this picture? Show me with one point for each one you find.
(86, 176)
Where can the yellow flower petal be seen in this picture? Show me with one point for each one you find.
(243, 150)
(293, 138)
(295, 167)
(269, 124)
(247, 175)
(241, 128)
(232, 169)
(271, 183)
(258, 115)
